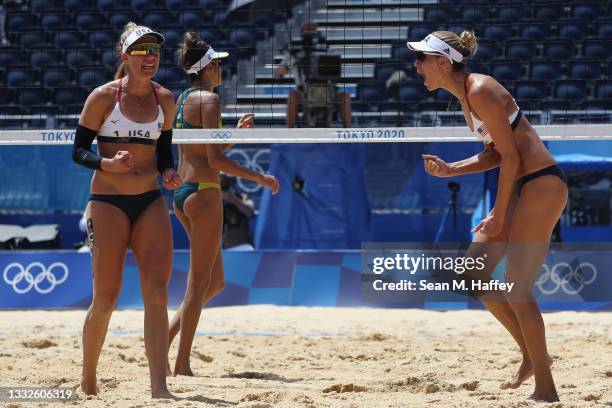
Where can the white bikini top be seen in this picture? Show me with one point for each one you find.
(480, 129)
(119, 129)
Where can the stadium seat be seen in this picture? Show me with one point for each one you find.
(573, 30)
(509, 14)
(498, 32)
(457, 28)
(171, 76)
(68, 96)
(77, 58)
(44, 109)
(521, 50)
(475, 14)
(12, 57)
(118, 20)
(243, 38)
(402, 53)
(182, 4)
(383, 69)
(534, 31)
(53, 77)
(584, 69)
(571, 90)
(32, 96)
(112, 5)
(20, 22)
(548, 12)
(190, 19)
(530, 93)
(479, 67)
(605, 29)
(67, 40)
(214, 4)
(437, 14)
(86, 22)
(32, 40)
(44, 6)
(603, 89)
(418, 32)
(18, 77)
(72, 5)
(101, 39)
(412, 92)
(93, 76)
(545, 70)
(156, 19)
(559, 50)
(148, 4)
(55, 22)
(442, 95)
(507, 71)
(371, 92)
(597, 49)
(13, 110)
(586, 11)
(44, 57)
(486, 51)
(110, 59)
(6, 95)
(212, 34)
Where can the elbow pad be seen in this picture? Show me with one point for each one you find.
(81, 149)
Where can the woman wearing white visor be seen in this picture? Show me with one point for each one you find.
(131, 117)
(532, 193)
(198, 202)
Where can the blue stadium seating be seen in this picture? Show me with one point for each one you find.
(529, 93)
(521, 50)
(498, 32)
(507, 71)
(79, 57)
(42, 58)
(584, 69)
(90, 77)
(603, 89)
(370, 92)
(156, 19)
(438, 14)
(67, 40)
(11, 57)
(86, 22)
(586, 11)
(486, 51)
(570, 89)
(118, 20)
(559, 50)
(70, 99)
(573, 30)
(171, 76)
(418, 32)
(548, 12)
(31, 96)
(534, 31)
(510, 13)
(56, 21)
(20, 22)
(605, 29)
(212, 34)
(190, 19)
(243, 38)
(412, 92)
(101, 39)
(18, 77)
(475, 14)
(72, 5)
(182, 4)
(44, 6)
(597, 49)
(112, 5)
(545, 70)
(479, 68)
(32, 40)
(402, 53)
(53, 77)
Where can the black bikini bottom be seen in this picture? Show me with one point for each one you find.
(553, 170)
(131, 205)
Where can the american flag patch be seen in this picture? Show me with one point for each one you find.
(483, 131)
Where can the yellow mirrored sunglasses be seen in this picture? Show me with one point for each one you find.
(145, 49)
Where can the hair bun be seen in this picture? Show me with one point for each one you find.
(468, 41)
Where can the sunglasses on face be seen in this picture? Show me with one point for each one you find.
(421, 56)
(145, 49)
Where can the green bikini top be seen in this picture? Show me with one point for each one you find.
(180, 122)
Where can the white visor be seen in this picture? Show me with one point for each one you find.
(431, 43)
(141, 31)
(205, 60)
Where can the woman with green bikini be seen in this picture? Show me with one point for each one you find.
(198, 203)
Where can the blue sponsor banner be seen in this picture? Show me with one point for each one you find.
(570, 280)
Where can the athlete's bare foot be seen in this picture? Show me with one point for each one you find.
(164, 394)
(524, 373)
(89, 387)
(546, 396)
(183, 371)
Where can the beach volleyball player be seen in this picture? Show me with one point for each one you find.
(132, 119)
(198, 203)
(532, 192)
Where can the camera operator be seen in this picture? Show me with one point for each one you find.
(312, 42)
(237, 210)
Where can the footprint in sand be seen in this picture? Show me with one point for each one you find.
(202, 357)
(470, 386)
(591, 397)
(38, 344)
(341, 388)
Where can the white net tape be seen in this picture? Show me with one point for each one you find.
(317, 135)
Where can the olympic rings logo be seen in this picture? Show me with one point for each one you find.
(55, 274)
(222, 134)
(259, 162)
(562, 274)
